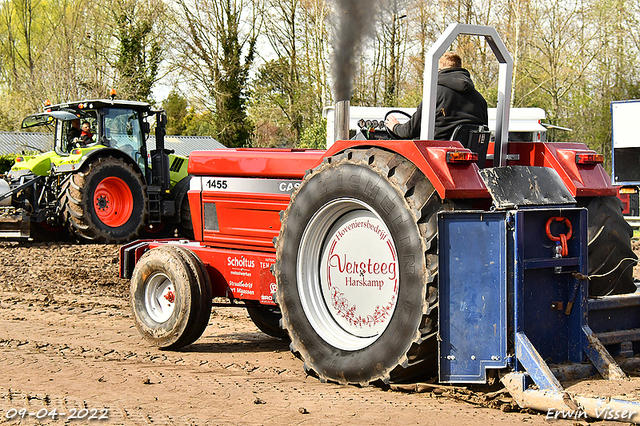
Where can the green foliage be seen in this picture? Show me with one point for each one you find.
(177, 114)
(139, 54)
(270, 106)
(314, 136)
(571, 58)
(6, 162)
(216, 41)
(201, 124)
(231, 81)
(76, 49)
(286, 102)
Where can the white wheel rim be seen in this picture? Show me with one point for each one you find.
(159, 297)
(348, 274)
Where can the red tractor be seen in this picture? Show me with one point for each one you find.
(342, 250)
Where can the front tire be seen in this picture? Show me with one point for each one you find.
(267, 319)
(170, 297)
(356, 269)
(185, 226)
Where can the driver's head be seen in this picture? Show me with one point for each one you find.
(449, 60)
(76, 123)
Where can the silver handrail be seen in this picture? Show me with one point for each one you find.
(503, 56)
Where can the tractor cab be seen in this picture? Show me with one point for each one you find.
(67, 128)
(117, 124)
(100, 182)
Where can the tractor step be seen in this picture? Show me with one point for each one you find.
(155, 203)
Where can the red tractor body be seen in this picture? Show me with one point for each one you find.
(237, 196)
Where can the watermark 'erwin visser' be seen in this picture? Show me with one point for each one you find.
(600, 414)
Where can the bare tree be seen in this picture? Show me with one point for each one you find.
(283, 75)
(35, 65)
(315, 14)
(216, 43)
(290, 90)
(425, 25)
(394, 36)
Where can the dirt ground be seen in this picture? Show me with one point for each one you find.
(68, 347)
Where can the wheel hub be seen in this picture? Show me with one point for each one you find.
(351, 298)
(360, 274)
(102, 203)
(113, 201)
(159, 297)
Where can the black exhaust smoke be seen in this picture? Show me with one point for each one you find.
(354, 20)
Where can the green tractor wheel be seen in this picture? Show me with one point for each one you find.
(106, 202)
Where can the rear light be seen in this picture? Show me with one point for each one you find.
(589, 158)
(455, 157)
(76, 152)
(627, 190)
(19, 159)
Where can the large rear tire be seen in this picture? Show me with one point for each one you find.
(356, 269)
(179, 193)
(170, 297)
(106, 202)
(609, 237)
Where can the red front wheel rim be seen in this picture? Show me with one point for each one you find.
(113, 202)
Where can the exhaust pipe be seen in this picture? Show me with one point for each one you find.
(341, 121)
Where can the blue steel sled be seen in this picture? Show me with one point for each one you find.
(509, 302)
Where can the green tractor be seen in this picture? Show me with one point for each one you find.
(101, 184)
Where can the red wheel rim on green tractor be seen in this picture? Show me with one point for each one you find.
(113, 201)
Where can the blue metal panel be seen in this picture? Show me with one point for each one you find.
(473, 295)
(544, 286)
(600, 358)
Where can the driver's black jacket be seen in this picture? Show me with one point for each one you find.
(457, 102)
(73, 133)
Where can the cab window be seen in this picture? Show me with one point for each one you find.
(69, 132)
(122, 131)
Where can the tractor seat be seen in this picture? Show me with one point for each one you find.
(474, 137)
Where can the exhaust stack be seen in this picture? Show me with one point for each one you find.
(341, 121)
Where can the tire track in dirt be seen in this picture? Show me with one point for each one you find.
(67, 341)
(118, 340)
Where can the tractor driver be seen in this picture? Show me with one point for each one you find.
(457, 102)
(74, 132)
(86, 137)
